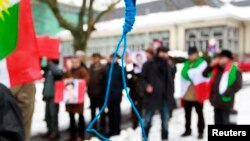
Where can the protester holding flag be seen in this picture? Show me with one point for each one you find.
(225, 82)
(19, 58)
(51, 74)
(193, 85)
(76, 72)
(96, 88)
(158, 85)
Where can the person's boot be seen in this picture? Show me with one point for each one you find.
(80, 139)
(54, 136)
(200, 136)
(45, 135)
(134, 127)
(186, 133)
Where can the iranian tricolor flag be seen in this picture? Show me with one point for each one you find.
(19, 59)
(228, 77)
(192, 74)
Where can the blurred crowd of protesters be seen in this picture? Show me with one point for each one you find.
(150, 77)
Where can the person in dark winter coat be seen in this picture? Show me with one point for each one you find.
(115, 97)
(158, 84)
(132, 84)
(11, 124)
(51, 74)
(173, 67)
(96, 88)
(173, 70)
(225, 82)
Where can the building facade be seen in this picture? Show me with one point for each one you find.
(224, 25)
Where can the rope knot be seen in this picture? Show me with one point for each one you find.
(130, 13)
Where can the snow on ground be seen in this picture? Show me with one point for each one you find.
(176, 125)
(39, 125)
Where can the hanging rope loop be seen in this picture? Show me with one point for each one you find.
(130, 14)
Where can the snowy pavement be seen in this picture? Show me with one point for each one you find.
(39, 125)
(176, 125)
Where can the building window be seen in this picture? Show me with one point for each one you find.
(136, 42)
(163, 36)
(233, 35)
(224, 38)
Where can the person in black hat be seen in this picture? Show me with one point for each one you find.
(190, 98)
(222, 91)
(193, 53)
(225, 57)
(226, 53)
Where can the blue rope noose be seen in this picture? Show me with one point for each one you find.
(130, 14)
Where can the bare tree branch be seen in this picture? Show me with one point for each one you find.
(109, 9)
(90, 16)
(54, 7)
(82, 14)
(80, 36)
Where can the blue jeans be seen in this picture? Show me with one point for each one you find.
(164, 120)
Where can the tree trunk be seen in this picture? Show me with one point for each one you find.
(80, 37)
(85, 44)
(200, 2)
(80, 41)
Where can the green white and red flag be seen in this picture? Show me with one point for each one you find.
(19, 56)
(192, 73)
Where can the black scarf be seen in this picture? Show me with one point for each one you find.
(161, 64)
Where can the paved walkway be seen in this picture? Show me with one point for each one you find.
(64, 134)
(176, 125)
